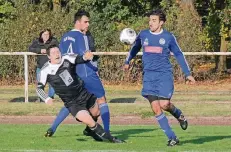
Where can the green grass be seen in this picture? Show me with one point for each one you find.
(126, 100)
(140, 109)
(198, 93)
(139, 138)
(202, 100)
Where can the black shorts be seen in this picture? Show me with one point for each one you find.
(84, 105)
(152, 98)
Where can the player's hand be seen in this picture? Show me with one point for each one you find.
(43, 51)
(125, 67)
(88, 55)
(50, 102)
(190, 80)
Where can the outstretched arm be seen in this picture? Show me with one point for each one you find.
(79, 59)
(40, 88)
(134, 50)
(175, 49)
(88, 56)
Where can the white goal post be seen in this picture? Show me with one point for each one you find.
(25, 54)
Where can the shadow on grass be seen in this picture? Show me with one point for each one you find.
(123, 100)
(204, 139)
(22, 99)
(125, 134)
(81, 140)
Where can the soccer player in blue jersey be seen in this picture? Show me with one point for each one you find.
(158, 84)
(77, 41)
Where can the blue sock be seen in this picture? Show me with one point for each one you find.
(176, 112)
(105, 115)
(63, 113)
(163, 122)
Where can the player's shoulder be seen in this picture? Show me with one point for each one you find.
(45, 67)
(167, 33)
(71, 35)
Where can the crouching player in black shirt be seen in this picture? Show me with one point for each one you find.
(61, 75)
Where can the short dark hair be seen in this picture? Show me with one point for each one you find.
(40, 35)
(79, 14)
(48, 51)
(158, 12)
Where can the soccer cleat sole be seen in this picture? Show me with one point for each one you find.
(184, 124)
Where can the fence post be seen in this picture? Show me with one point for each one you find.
(26, 76)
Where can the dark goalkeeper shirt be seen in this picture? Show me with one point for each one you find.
(63, 78)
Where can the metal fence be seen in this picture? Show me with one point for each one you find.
(26, 54)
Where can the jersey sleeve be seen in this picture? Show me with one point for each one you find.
(42, 80)
(134, 50)
(175, 49)
(91, 42)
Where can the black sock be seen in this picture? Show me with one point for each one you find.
(95, 118)
(98, 129)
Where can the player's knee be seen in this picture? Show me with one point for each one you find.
(157, 110)
(155, 105)
(165, 105)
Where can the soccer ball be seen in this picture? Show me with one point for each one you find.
(127, 36)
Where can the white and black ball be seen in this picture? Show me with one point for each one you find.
(128, 36)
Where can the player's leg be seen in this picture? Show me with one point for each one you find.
(63, 113)
(152, 85)
(104, 112)
(162, 119)
(94, 85)
(177, 113)
(82, 114)
(94, 110)
(166, 89)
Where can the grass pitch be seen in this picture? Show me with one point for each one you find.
(199, 100)
(69, 138)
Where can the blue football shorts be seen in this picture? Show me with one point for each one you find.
(158, 84)
(94, 85)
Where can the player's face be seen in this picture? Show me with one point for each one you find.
(45, 36)
(55, 56)
(84, 23)
(155, 24)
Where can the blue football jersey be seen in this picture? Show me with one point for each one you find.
(75, 42)
(156, 51)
